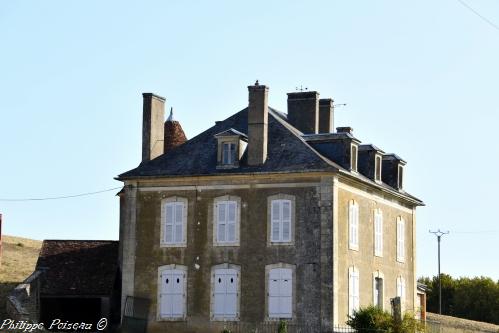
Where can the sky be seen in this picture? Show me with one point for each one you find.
(420, 79)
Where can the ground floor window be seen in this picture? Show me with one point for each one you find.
(172, 292)
(225, 292)
(280, 292)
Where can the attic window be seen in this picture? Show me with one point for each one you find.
(231, 146)
(400, 176)
(377, 168)
(228, 153)
(353, 157)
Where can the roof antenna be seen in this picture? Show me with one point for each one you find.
(339, 105)
(301, 88)
(256, 83)
(170, 117)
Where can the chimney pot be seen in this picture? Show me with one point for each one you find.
(345, 129)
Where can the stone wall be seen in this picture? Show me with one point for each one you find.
(446, 324)
(23, 303)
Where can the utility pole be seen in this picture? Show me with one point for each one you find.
(439, 235)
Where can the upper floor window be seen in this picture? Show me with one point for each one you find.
(281, 218)
(378, 233)
(280, 291)
(353, 157)
(400, 239)
(231, 146)
(377, 168)
(353, 290)
(226, 221)
(173, 222)
(172, 292)
(353, 225)
(225, 292)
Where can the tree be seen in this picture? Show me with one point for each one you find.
(373, 319)
(471, 298)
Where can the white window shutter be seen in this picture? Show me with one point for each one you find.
(400, 239)
(353, 222)
(172, 303)
(350, 292)
(231, 221)
(276, 221)
(219, 293)
(286, 293)
(221, 223)
(286, 220)
(179, 220)
(169, 216)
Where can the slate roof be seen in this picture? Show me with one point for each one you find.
(286, 152)
(78, 267)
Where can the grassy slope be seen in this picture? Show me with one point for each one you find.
(18, 262)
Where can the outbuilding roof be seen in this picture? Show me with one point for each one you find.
(78, 267)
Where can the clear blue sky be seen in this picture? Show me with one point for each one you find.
(420, 78)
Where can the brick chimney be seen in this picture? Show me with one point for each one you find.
(326, 115)
(153, 117)
(258, 114)
(303, 111)
(174, 134)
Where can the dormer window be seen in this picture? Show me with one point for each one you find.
(400, 176)
(377, 168)
(353, 157)
(231, 147)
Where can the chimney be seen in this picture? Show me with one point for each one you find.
(326, 115)
(258, 114)
(152, 126)
(303, 111)
(174, 134)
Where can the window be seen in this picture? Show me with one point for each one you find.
(400, 239)
(172, 292)
(378, 292)
(173, 222)
(377, 168)
(378, 233)
(353, 157)
(228, 153)
(400, 176)
(226, 217)
(280, 292)
(353, 225)
(225, 292)
(281, 221)
(401, 291)
(353, 290)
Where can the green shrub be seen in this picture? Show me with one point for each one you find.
(370, 319)
(226, 330)
(283, 327)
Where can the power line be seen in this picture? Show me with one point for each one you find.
(479, 15)
(62, 196)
